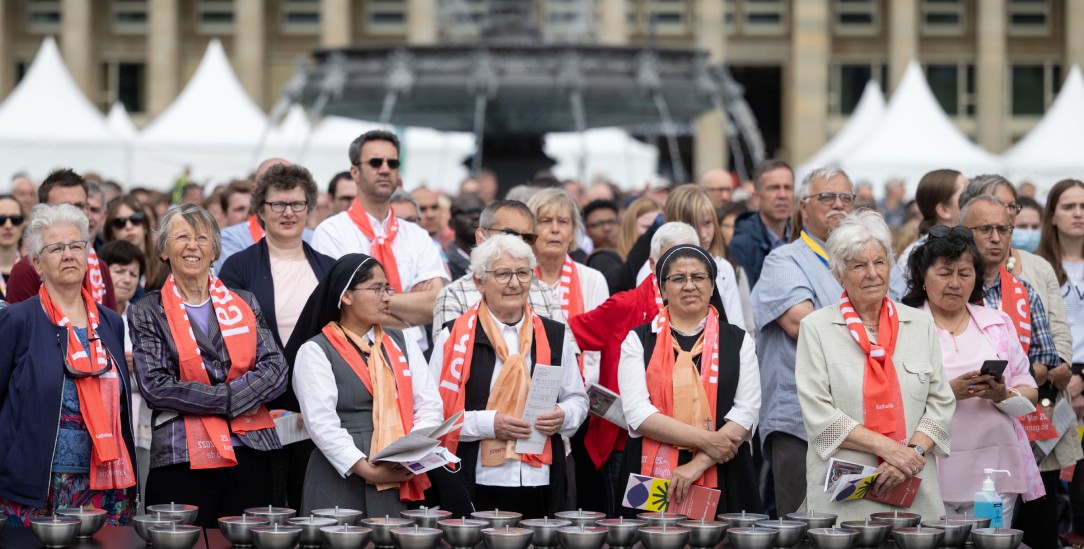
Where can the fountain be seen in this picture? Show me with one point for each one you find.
(512, 86)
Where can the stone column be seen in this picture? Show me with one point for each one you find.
(250, 48)
(806, 80)
(163, 54)
(902, 26)
(7, 52)
(613, 23)
(711, 144)
(421, 21)
(1074, 40)
(77, 44)
(336, 23)
(990, 75)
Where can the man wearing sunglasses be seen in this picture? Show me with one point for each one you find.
(412, 260)
(466, 214)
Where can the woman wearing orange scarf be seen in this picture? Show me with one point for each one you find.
(360, 387)
(870, 380)
(65, 402)
(690, 388)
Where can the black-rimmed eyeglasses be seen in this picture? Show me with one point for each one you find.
(79, 374)
(376, 163)
(297, 206)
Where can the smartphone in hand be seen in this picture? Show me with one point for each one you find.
(994, 369)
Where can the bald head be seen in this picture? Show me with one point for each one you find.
(719, 185)
(266, 165)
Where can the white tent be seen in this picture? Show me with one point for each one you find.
(121, 124)
(864, 120)
(1051, 151)
(213, 127)
(608, 152)
(914, 137)
(46, 123)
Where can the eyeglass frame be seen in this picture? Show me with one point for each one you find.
(136, 219)
(378, 291)
(944, 230)
(17, 220)
(376, 163)
(842, 197)
(65, 246)
(296, 206)
(687, 278)
(79, 374)
(986, 231)
(498, 274)
(528, 238)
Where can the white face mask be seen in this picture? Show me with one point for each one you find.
(1026, 239)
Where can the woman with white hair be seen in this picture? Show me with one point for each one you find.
(870, 382)
(484, 370)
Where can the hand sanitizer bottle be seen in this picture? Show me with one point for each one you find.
(988, 502)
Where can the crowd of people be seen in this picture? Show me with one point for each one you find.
(754, 332)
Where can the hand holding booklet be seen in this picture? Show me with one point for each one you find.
(421, 451)
(606, 404)
(849, 481)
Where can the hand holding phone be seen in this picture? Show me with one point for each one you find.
(994, 369)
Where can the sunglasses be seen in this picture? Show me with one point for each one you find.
(121, 222)
(529, 238)
(376, 163)
(941, 231)
(16, 220)
(79, 374)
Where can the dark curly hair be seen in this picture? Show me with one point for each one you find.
(950, 248)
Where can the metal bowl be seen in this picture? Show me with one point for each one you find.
(742, 519)
(752, 537)
(664, 537)
(55, 531)
(581, 517)
(415, 537)
(341, 516)
(497, 518)
(175, 536)
(790, 531)
(898, 520)
(310, 529)
(425, 517)
(871, 533)
(188, 513)
(660, 518)
(704, 534)
(275, 536)
(382, 527)
(144, 523)
(507, 537)
(92, 519)
(236, 529)
(622, 532)
(814, 519)
(582, 537)
(918, 537)
(975, 522)
(276, 515)
(462, 532)
(997, 538)
(832, 538)
(345, 536)
(545, 531)
(957, 532)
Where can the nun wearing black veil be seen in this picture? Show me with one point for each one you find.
(360, 388)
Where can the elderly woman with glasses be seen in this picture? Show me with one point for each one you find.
(207, 365)
(63, 396)
(870, 382)
(945, 272)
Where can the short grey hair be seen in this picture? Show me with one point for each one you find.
(94, 189)
(980, 198)
(821, 174)
(199, 218)
(484, 254)
(856, 231)
(672, 234)
(44, 217)
(400, 197)
(986, 183)
(556, 199)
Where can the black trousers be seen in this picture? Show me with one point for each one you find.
(787, 456)
(593, 492)
(221, 492)
(1039, 518)
(288, 467)
(530, 501)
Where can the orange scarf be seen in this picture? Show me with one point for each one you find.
(882, 406)
(380, 247)
(569, 294)
(99, 399)
(675, 390)
(208, 437)
(509, 391)
(1015, 295)
(94, 281)
(255, 229)
(393, 396)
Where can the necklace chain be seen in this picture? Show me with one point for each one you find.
(954, 330)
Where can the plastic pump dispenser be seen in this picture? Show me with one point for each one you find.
(988, 502)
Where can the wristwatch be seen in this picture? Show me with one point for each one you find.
(921, 451)
(1046, 403)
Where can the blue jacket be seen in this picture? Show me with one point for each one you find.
(750, 245)
(31, 386)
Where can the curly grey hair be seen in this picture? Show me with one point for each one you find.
(484, 254)
(44, 217)
(853, 234)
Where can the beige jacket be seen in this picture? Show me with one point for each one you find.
(829, 374)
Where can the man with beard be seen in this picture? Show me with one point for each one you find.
(796, 282)
(758, 233)
(466, 212)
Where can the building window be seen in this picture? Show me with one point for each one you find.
(214, 16)
(300, 16)
(385, 17)
(125, 82)
(1034, 87)
(43, 16)
(954, 87)
(730, 16)
(567, 20)
(847, 82)
(1029, 17)
(942, 17)
(666, 17)
(856, 17)
(130, 16)
(763, 17)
